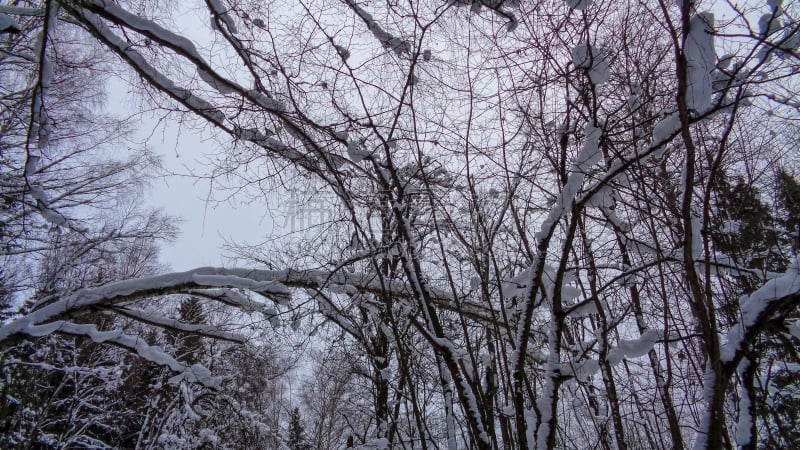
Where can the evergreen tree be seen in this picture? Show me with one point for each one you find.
(758, 237)
(789, 202)
(779, 380)
(189, 346)
(297, 435)
(745, 228)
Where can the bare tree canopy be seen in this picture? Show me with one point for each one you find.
(547, 224)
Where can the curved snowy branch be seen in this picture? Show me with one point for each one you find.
(196, 373)
(776, 295)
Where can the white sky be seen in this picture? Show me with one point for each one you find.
(205, 226)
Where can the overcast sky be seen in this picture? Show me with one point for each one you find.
(205, 225)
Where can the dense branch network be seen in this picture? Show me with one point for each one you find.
(536, 218)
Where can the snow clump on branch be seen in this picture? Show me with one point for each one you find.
(592, 59)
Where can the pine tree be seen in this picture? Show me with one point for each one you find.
(297, 439)
(780, 407)
(746, 227)
(757, 237)
(789, 201)
(190, 346)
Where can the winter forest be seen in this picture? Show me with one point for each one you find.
(549, 224)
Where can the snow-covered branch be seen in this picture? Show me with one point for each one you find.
(775, 297)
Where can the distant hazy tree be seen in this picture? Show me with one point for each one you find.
(297, 435)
